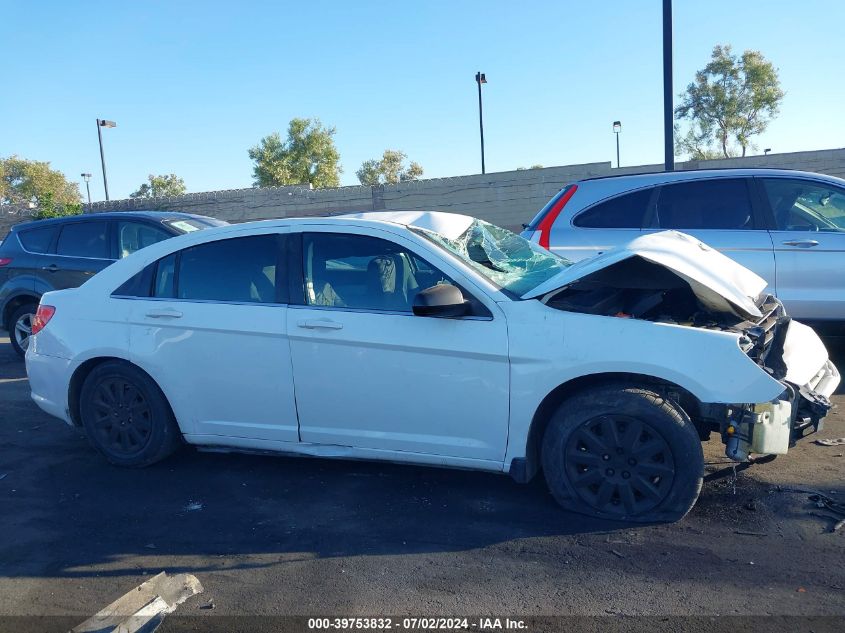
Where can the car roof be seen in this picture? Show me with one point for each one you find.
(648, 178)
(449, 225)
(109, 215)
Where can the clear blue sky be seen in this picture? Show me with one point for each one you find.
(193, 84)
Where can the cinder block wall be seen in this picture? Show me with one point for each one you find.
(505, 198)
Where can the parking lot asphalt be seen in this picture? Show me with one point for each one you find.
(281, 535)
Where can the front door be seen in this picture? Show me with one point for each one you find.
(809, 241)
(369, 374)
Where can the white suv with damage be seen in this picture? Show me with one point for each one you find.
(437, 339)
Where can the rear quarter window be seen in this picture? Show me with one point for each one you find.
(37, 240)
(622, 212)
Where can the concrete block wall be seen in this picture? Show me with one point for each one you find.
(505, 198)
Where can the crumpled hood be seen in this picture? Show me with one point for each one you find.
(718, 282)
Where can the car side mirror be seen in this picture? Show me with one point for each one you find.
(443, 300)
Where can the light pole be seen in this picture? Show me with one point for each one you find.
(766, 151)
(480, 78)
(668, 129)
(87, 178)
(101, 123)
(617, 127)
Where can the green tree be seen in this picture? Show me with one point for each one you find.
(161, 185)
(308, 155)
(389, 169)
(48, 208)
(732, 100)
(30, 181)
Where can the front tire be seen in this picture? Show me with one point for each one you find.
(624, 453)
(20, 327)
(126, 416)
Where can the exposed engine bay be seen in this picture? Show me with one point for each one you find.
(637, 288)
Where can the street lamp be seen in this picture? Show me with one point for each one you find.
(480, 78)
(617, 127)
(101, 123)
(767, 150)
(87, 178)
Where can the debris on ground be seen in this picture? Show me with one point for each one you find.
(144, 607)
(838, 441)
(208, 605)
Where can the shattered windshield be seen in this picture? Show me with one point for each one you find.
(508, 260)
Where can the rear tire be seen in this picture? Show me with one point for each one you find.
(624, 453)
(126, 416)
(20, 327)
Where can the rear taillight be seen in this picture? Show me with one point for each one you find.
(5, 261)
(42, 318)
(545, 225)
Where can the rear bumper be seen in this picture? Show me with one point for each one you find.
(48, 381)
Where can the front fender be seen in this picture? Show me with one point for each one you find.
(550, 347)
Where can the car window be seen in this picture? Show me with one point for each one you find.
(164, 285)
(37, 240)
(240, 269)
(84, 239)
(366, 273)
(133, 236)
(622, 212)
(715, 203)
(805, 206)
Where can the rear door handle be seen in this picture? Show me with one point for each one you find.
(164, 314)
(51, 268)
(801, 243)
(320, 324)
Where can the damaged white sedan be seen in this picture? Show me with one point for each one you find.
(437, 339)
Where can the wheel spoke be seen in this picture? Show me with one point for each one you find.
(589, 477)
(593, 443)
(609, 431)
(649, 449)
(628, 498)
(633, 431)
(655, 468)
(647, 488)
(23, 326)
(605, 493)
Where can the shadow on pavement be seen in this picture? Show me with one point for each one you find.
(65, 509)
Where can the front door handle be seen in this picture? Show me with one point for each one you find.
(801, 243)
(167, 313)
(51, 268)
(320, 324)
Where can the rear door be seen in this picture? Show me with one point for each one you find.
(808, 220)
(82, 249)
(722, 213)
(214, 336)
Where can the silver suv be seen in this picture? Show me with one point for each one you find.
(787, 226)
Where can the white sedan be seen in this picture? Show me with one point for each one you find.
(438, 339)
